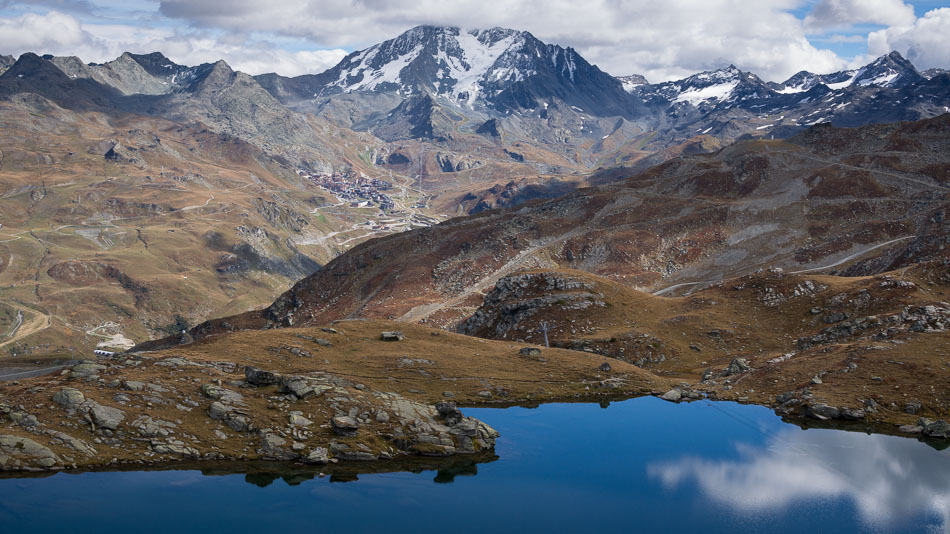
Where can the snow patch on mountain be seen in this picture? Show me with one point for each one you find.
(476, 62)
(697, 96)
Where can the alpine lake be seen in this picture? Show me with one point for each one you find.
(637, 465)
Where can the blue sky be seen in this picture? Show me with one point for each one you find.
(663, 40)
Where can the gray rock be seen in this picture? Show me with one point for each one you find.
(15, 449)
(935, 429)
(106, 416)
(260, 377)
(75, 444)
(318, 455)
(823, 412)
(69, 398)
(153, 428)
(852, 414)
(382, 416)
(448, 412)
(132, 385)
(673, 395)
(912, 407)
(836, 317)
(85, 369)
(23, 419)
(737, 366)
(344, 426)
(218, 411)
(530, 351)
(299, 420)
(212, 391)
(816, 380)
(272, 446)
(911, 429)
(605, 367)
(238, 422)
(298, 386)
(177, 449)
(391, 336)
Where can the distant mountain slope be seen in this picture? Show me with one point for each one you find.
(227, 101)
(877, 195)
(441, 85)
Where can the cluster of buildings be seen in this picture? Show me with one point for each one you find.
(356, 188)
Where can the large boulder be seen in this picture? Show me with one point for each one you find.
(106, 416)
(935, 429)
(69, 398)
(260, 377)
(673, 395)
(17, 453)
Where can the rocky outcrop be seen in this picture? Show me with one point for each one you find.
(19, 453)
(929, 318)
(236, 413)
(516, 298)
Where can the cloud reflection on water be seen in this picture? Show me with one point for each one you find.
(888, 478)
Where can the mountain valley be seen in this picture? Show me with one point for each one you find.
(322, 267)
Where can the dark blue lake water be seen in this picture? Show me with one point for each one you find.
(641, 465)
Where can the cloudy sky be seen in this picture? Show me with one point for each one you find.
(662, 40)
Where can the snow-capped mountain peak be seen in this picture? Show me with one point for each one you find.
(709, 88)
(445, 61)
(891, 70)
(495, 68)
(632, 81)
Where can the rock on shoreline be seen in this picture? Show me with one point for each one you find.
(144, 409)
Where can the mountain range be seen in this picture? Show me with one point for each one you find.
(266, 179)
(465, 90)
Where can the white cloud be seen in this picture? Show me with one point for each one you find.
(926, 42)
(845, 13)
(662, 40)
(64, 35)
(908, 480)
(41, 32)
